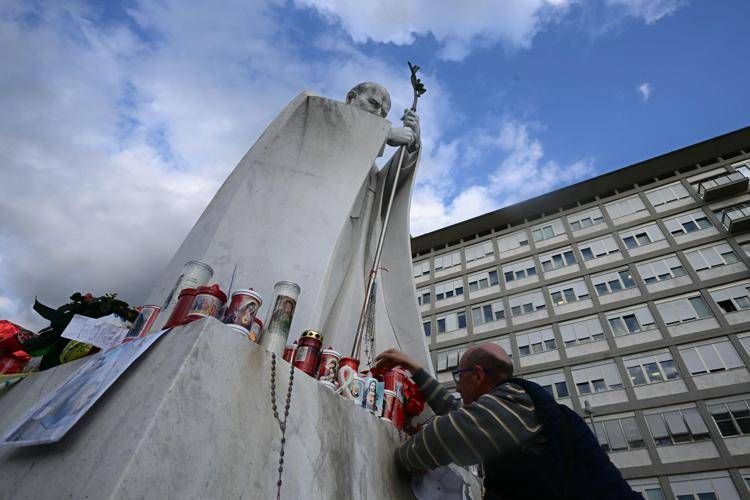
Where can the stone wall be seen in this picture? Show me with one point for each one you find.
(192, 419)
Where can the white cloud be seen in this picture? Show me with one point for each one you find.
(650, 11)
(457, 26)
(645, 90)
(111, 146)
(521, 172)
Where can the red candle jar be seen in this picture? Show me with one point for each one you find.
(394, 380)
(393, 409)
(329, 366)
(181, 308)
(208, 303)
(289, 352)
(308, 352)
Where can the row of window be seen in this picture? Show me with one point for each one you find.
(633, 238)
(620, 211)
(647, 368)
(701, 259)
(714, 485)
(730, 298)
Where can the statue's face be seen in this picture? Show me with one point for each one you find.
(373, 99)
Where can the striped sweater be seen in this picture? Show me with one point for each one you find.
(497, 425)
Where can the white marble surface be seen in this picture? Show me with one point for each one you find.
(192, 419)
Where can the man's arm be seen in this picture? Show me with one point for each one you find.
(496, 424)
(440, 400)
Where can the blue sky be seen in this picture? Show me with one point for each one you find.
(121, 119)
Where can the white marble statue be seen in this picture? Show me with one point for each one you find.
(306, 204)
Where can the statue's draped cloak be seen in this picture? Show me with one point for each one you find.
(306, 204)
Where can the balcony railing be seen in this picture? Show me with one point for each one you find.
(725, 185)
(736, 219)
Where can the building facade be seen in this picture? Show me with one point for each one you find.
(627, 296)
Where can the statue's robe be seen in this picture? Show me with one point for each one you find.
(306, 204)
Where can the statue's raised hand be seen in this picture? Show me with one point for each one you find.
(408, 135)
(400, 136)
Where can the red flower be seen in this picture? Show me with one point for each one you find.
(88, 297)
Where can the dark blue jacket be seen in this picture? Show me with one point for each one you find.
(574, 466)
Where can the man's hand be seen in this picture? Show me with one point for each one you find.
(411, 120)
(393, 357)
(400, 136)
(409, 134)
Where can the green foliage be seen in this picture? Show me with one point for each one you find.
(49, 342)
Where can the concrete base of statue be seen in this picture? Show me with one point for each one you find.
(192, 419)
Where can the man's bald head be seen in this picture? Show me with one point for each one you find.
(492, 358)
(371, 97)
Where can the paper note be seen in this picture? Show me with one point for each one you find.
(98, 332)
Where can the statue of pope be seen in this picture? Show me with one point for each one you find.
(306, 204)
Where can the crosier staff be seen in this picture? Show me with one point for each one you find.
(367, 306)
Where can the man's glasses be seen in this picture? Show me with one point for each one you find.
(457, 373)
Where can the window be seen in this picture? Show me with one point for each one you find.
(677, 426)
(487, 313)
(732, 298)
(651, 369)
(448, 359)
(558, 260)
(597, 378)
(480, 281)
(591, 250)
(448, 289)
(566, 293)
(526, 303)
(630, 321)
(710, 358)
(684, 309)
(519, 270)
(641, 236)
(581, 331)
(451, 322)
(423, 296)
(447, 261)
(745, 246)
(547, 231)
(421, 268)
(743, 168)
(536, 341)
(649, 488)
(661, 269)
(427, 326)
(728, 214)
(712, 256)
(704, 486)
(625, 207)
(688, 223)
(733, 418)
(582, 220)
(618, 434)
(617, 281)
(479, 251)
(665, 195)
(513, 242)
(552, 382)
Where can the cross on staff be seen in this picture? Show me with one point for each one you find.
(369, 302)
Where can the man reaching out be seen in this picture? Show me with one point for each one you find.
(530, 447)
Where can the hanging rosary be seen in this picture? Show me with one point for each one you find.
(282, 424)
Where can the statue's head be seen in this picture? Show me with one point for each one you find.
(371, 97)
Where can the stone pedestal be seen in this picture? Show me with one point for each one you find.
(192, 419)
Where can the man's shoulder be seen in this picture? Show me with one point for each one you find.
(512, 393)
